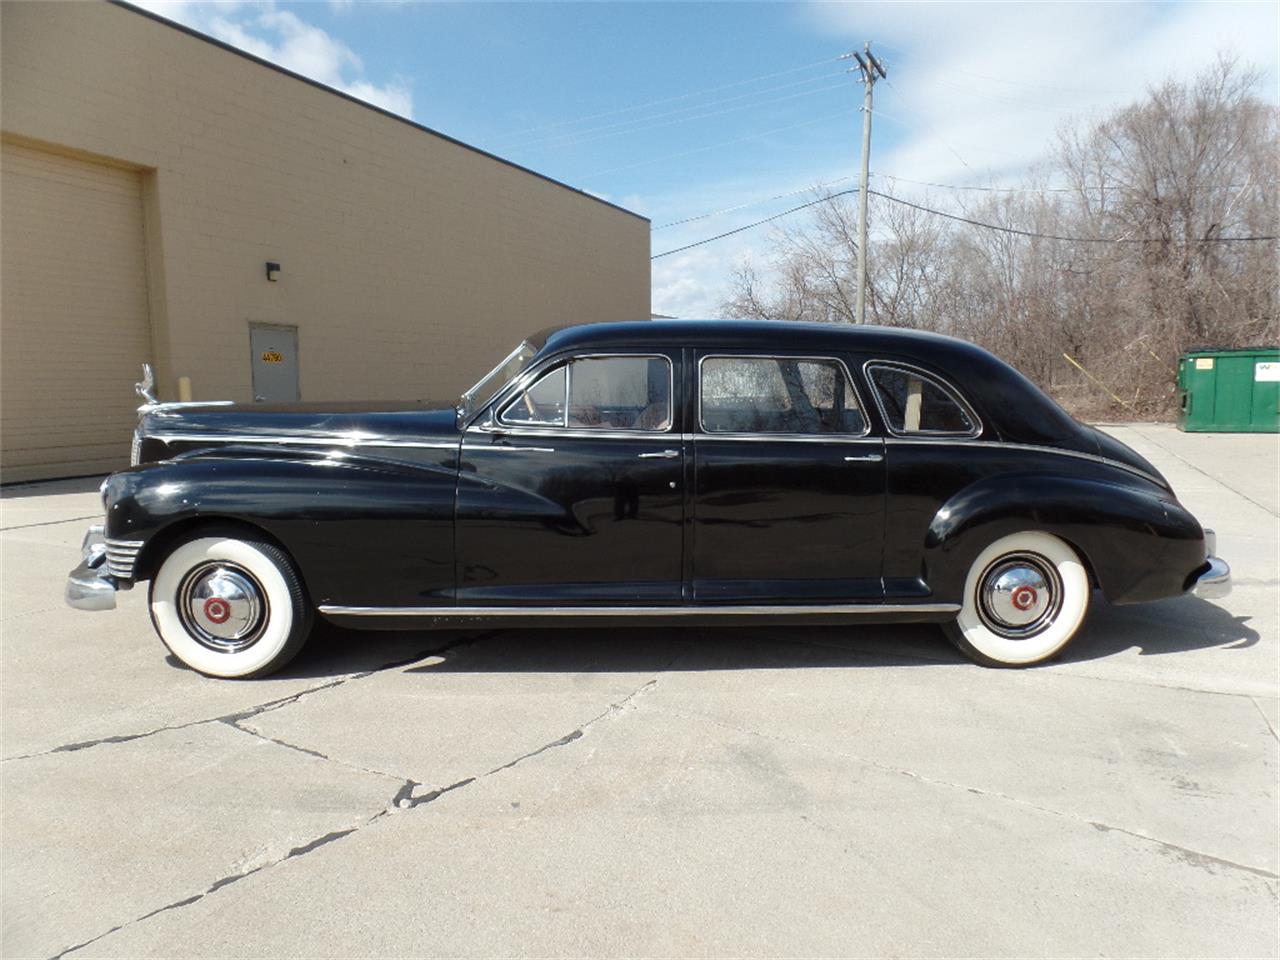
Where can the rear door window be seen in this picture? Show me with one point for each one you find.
(778, 395)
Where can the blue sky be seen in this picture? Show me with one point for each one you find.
(679, 109)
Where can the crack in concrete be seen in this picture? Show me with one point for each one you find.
(403, 799)
(50, 523)
(235, 717)
(1205, 473)
(1265, 718)
(298, 851)
(1185, 854)
(1193, 857)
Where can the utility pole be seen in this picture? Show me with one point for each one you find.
(868, 67)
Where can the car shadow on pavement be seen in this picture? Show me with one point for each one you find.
(1166, 627)
(1177, 625)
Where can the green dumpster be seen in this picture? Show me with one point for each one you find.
(1230, 390)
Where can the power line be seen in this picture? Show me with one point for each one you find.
(643, 123)
(889, 176)
(955, 186)
(952, 216)
(1050, 236)
(715, 146)
(673, 99)
(749, 226)
(749, 203)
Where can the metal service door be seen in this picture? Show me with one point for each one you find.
(274, 351)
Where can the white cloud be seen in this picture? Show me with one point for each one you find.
(286, 39)
(976, 95)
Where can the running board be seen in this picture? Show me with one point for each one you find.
(736, 614)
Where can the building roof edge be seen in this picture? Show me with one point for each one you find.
(182, 28)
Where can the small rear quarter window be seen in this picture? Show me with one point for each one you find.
(915, 403)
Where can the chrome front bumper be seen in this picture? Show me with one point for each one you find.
(90, 586)
(1214, 583)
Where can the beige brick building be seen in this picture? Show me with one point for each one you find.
(148, 175)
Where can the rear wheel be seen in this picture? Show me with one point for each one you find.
(1024, 599)
(230, 606)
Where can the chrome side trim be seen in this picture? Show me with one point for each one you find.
(556, 433)
(945, 384)
(843, 438)
(121, 557)
(853, 383)
(332, 441)
(161, 409)
(842, 609)
(1030, 447)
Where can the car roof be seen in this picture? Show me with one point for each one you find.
(1006, 399)
(780, 334)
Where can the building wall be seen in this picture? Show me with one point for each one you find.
(410, 263)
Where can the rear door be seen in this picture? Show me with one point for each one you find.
(788, 504)
(572, 490)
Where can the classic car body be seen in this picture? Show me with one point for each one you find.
(677, 472)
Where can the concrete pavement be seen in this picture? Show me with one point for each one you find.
(626, 792)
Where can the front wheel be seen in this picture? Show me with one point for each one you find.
(230, 606)
(1024, 598)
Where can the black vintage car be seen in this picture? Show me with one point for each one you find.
(662, 472)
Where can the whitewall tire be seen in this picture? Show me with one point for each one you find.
(230, 606)
(1024, 599)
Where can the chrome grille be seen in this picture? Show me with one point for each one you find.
(121, 556)
(135, 448)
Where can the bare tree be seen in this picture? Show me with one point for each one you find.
(1155, 185)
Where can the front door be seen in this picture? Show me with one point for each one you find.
(273, 351)
(572, 489)
(789, 492)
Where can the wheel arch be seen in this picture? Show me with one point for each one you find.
(1123, 533)
(163, 541)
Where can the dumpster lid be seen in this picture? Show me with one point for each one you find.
(1219, 351)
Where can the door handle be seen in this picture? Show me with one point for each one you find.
(660, 455)
(865, 458)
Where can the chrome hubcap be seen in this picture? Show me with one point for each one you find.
(222, 606)
(1019, 595)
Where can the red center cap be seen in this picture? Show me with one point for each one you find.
(219, 611)
(1024, 598)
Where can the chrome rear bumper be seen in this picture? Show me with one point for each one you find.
(90, 586)
(1214, 583)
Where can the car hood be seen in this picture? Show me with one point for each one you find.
(342, 422)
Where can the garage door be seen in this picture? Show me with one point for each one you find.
(73, 313)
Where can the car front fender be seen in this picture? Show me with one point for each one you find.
(358, 526)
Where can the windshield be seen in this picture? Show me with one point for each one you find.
(494, 380)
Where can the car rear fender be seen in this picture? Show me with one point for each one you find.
(1137, 542)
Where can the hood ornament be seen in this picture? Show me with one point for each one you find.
(146, 387)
